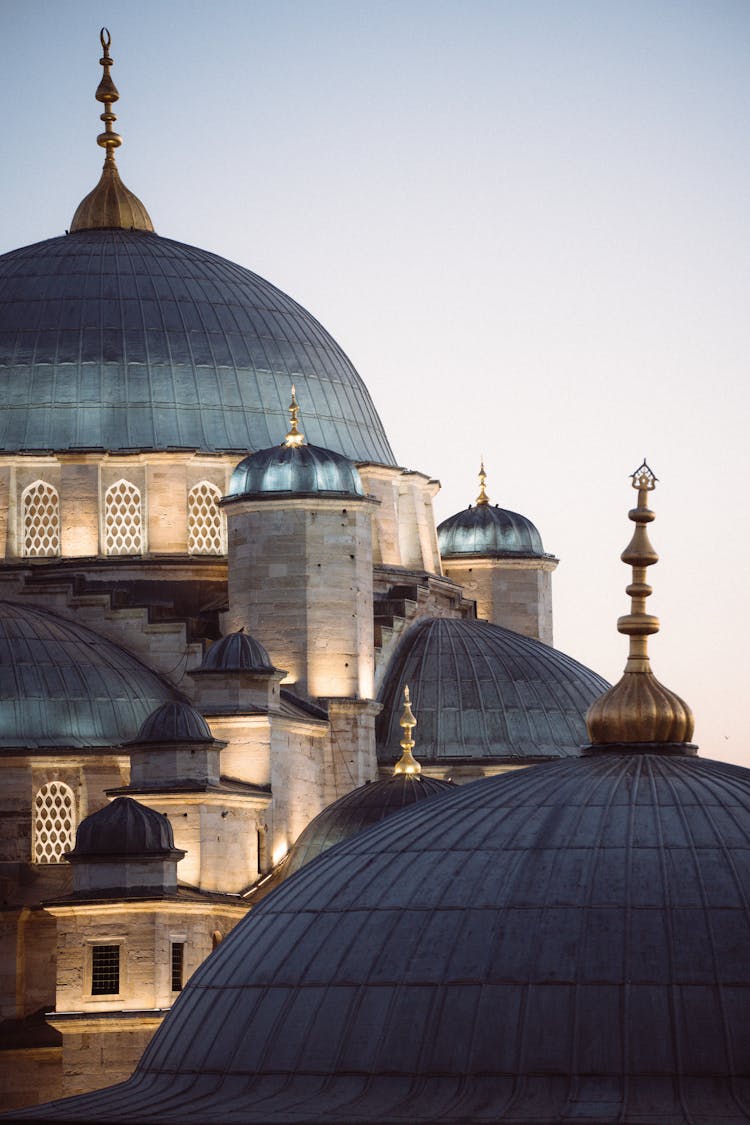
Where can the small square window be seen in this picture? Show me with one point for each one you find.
(105, 970)
(178, 961)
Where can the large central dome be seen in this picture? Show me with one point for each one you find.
(124, 340)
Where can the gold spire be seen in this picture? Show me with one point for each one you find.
(407, 763)
(482, 498)
(295, 437)
(639, 709)
(110, 205)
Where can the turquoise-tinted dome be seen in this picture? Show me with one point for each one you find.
(484, 694)
(301, 470)
(118, 339)
(489, 531)
(63, 686)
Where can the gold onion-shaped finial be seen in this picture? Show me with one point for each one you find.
(639, 709)
(110, 206)
(482, 498)
(407, 763)
(295, 437)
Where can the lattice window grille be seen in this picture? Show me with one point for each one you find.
(54, 822)
(41, 521)
(205, 520)
(123, 522)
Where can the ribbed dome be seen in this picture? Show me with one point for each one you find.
(123, 828)
(175, 722)
(567, 943)
(489, 531)
(303, 470)
(358, 810)
(483, 693)
(125, 340)
(237, 652)
(61, 685)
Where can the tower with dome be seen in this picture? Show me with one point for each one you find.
(216, 582)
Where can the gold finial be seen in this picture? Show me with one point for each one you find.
(482, 498)
(407, 763)
(110, 205)
(639, 709)
(295, 437)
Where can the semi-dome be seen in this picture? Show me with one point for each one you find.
(176, 721)
(358, 810)
(489, 531)
(237, 652)
(123, 828)
(64, 686)
(301, 470)
(566, 943)
(122, 340)
(484, 694)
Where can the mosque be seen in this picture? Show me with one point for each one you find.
(226, 852)
(216, 584)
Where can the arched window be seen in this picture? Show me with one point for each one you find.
(205, 520)
(41, 521)
(123, 522)
(54, 822)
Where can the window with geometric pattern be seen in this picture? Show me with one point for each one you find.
(41, 521)
(123, 522)
(205, 520)
(54, 822)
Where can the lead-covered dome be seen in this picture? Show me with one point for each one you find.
(63, 686)
(567, 943)
(123, 828)
(489, 531)
(302, 470)
(119, 339)
(485, 694)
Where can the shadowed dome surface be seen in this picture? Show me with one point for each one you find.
(567, 943)
(61, 685)
(303, 470)
(237, 652)
(484, 693)
(489, 531)
(123, 828)
(360, 809)
(125, 340)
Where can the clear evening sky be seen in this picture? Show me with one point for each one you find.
(525, 221)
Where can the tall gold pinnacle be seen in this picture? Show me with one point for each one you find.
(482, 498)
(295, 437)
(639, 709)
(407, 763)
(110, 206)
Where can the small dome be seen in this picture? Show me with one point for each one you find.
(62, 685)
(565, 943)
(123, 828)
(175, 722)
(482, 693)
(302, 470)
(358, 810)
(489, 531)
(237, 652)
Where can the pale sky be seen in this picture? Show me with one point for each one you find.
(525, 221)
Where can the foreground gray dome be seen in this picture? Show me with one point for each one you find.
(61, 685)
(302, 470)
(117, 339)
(567, 943)
(490, 532)
(485, 694)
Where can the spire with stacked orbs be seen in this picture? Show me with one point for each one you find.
(407, 763)
(482, 498)
(294, 437)
(110, 206)
(638, 709)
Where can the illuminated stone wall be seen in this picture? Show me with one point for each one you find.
(514, 593)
